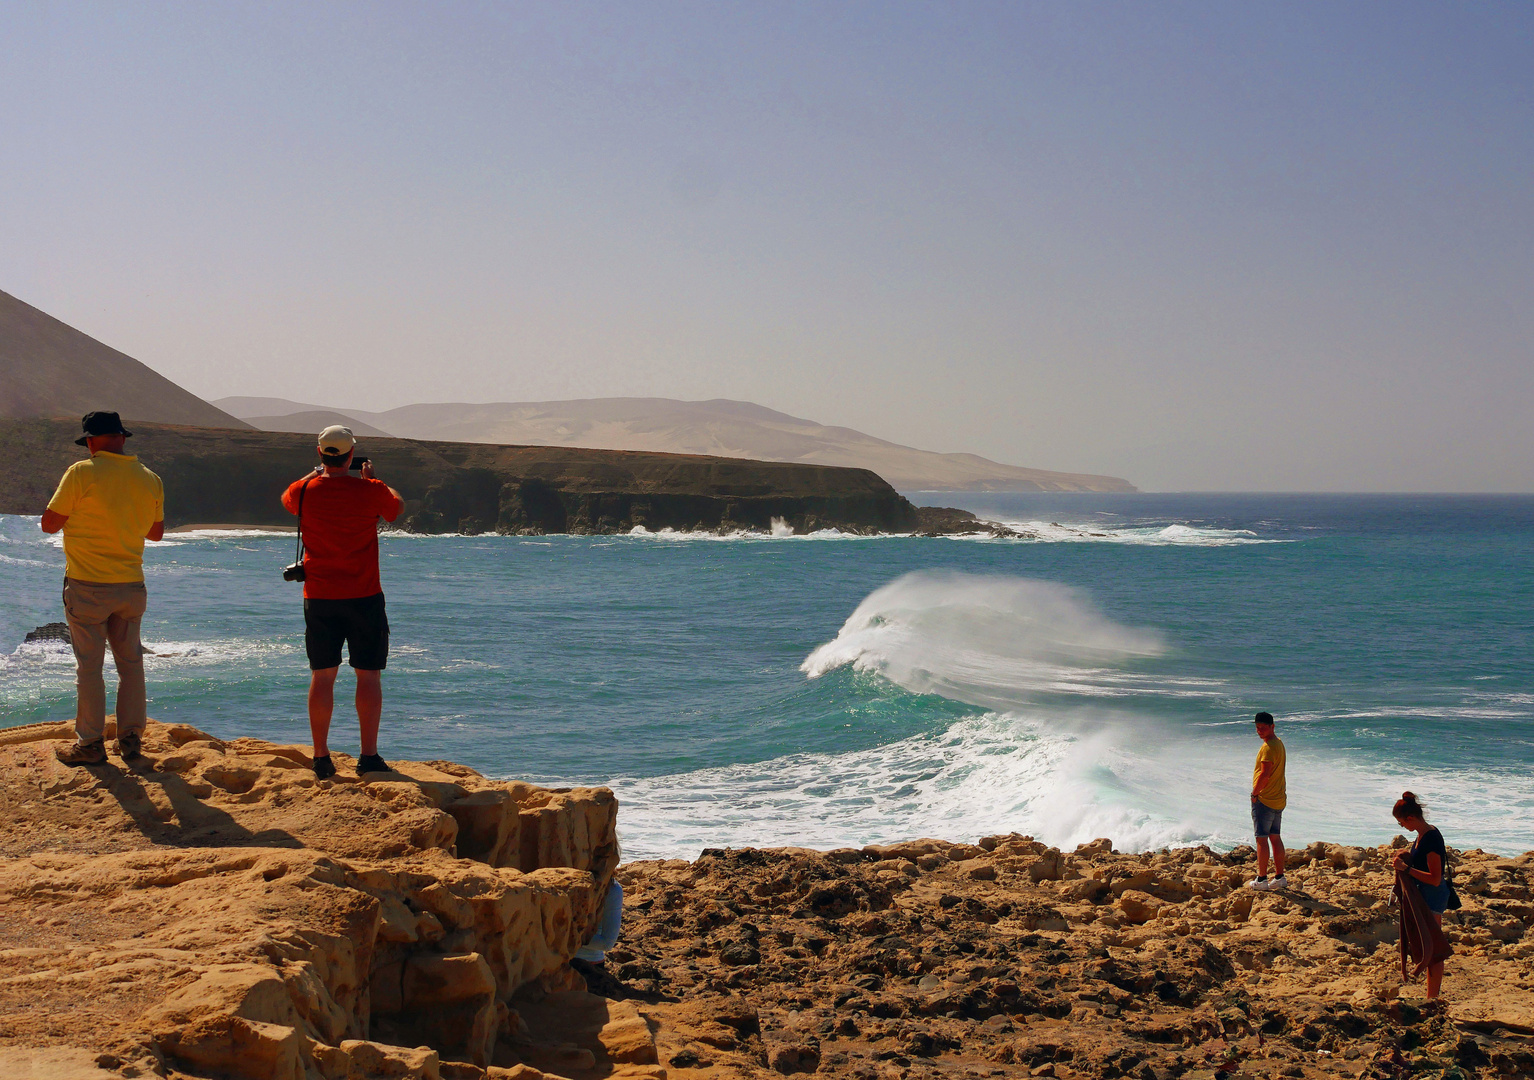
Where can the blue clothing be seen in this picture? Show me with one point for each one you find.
(1265, 819)
(606, 936)
(1436, 897)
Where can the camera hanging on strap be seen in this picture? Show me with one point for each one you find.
(295, 571)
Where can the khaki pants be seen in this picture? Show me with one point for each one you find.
(100, 615)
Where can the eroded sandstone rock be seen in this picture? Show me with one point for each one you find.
(217, 908)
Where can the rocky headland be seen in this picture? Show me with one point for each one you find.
(237, 477)
(213, 911)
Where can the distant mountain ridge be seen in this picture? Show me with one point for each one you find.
(48, 368)
(719, 427)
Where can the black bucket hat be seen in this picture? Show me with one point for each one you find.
(101, 423)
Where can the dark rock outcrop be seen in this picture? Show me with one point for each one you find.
(227, 476)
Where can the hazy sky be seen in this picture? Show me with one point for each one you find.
(1230, 246)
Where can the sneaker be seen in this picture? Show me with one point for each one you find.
(1279, 882)
(130, 745)
(83, 753)
(1260, 884)
(372, 763)
(324, 768)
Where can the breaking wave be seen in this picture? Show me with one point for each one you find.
(994, 641)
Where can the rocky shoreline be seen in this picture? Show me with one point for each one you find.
(931, 959)
(213, 911)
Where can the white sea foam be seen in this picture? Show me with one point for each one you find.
(779, 532)
(1174, 535)
(11, 560)
(988, 774)
(1143, 785)
(37, 653)
(996, 642)
(223, 534)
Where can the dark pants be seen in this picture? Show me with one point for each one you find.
(361, 624)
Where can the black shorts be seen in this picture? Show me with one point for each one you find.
(361, 623)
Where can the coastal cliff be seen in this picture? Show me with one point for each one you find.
(214, 911)
(227, 476)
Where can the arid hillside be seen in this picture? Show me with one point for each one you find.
(48, 368)
(717, 428)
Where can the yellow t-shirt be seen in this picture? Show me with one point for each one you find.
(1272, 794)
(112, 502)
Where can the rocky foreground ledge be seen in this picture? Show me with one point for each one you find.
(215, 912)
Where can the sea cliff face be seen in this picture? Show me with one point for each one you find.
(237, 477)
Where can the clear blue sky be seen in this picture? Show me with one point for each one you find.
(1231, 246)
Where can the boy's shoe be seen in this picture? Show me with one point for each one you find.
(324, 768)
(372, 763)
(1260, 884)
(1279, 882)
(87, 753)
(130, 745)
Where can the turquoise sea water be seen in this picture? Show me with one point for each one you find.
(1095, 680)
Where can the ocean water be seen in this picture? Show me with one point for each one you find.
(1097, 678)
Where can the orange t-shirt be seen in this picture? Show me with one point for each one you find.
(340, 526)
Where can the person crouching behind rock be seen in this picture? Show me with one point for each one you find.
(107, 507)
(338, 515)
(1425, 863)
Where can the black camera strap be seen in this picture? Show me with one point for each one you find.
(298, 553)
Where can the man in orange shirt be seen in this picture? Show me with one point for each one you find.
(1269, 797)
(338, 515)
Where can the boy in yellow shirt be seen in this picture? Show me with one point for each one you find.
(1269, 798)
(107, 507)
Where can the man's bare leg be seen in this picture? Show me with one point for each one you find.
(322, 699)
(1262, 856)
(369, 708)
(1277, 844)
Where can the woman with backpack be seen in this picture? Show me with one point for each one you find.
(1424, 865)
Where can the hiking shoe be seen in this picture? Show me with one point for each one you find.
(130, 745)
(83, 753)
(324, 768)
(1279, 882)
(372, 763)
(1260, 884)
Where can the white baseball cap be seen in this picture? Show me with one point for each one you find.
(337, 440)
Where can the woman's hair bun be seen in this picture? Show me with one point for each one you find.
(1408, 796)
(1407, 806)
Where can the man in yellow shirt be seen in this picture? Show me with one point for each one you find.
(107, 507)
(1269, 798)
